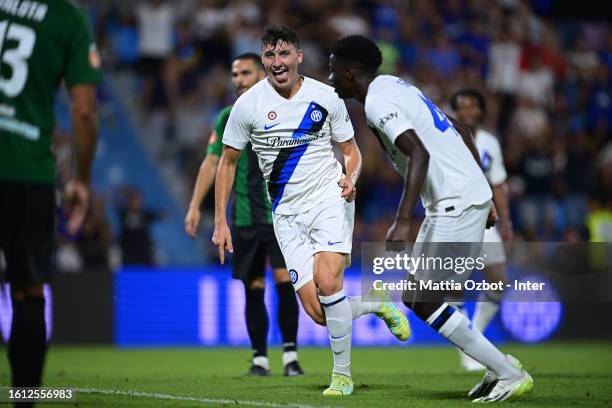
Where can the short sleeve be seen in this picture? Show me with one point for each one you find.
(238, 129)
(83, 65)
(215, 142)
(341, 126)
(497, 173)
(387, 118)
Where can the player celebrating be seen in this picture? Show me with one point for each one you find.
(41, 43)
(453, 189)
(254, 235)
(291, 121)
(469, 106)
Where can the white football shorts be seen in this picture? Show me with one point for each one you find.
(328, 227)
(456, 237)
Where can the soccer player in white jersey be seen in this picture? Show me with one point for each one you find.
(469, 107)
(443, 167)
(291, 122)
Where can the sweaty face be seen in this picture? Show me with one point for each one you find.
(338, 77)
(245, 74)
(281, 61)
(468, 112)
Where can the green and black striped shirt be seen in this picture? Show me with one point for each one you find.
(251, 205)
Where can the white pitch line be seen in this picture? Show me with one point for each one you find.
(164, 396)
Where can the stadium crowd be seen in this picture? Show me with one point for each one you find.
(546, 83)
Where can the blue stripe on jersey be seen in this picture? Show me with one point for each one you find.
(287, 160)
(282, 170)
(312, 122)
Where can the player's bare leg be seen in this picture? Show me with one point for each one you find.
(287, 313)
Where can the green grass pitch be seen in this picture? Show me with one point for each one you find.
(565, 374)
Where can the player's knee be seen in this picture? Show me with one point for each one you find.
(256, 283)
(328, 285)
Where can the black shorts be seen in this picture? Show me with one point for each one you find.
(251, 246)
(27, 223)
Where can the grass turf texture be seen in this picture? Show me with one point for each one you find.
(565, 374)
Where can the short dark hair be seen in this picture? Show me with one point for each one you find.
(275, 32)
(472, 93)
(360, 51)
(256, 58)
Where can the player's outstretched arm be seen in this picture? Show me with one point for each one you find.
(203, 183)
(352, 164)
(85, 125)
(410, 144)
(223, 186)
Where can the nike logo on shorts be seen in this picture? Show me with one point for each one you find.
(333, 243)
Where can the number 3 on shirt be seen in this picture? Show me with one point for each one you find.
(441, 122)
(15, 58)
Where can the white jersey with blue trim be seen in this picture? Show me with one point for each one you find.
(293, 141)
(491, 157)
(454, 181)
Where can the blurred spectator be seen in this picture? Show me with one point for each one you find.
(124, 38)
(582, 59)
(135, 231)
(346, 21)
(442, 57)
(155, 29)
(536, 83)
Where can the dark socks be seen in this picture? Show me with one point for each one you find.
(287, 315)
(257, 321)
(27, 345)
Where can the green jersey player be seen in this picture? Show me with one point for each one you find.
(41, 43)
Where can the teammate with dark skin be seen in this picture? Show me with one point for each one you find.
(351, 80)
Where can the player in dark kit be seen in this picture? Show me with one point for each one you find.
(41, 43)
(252, 229)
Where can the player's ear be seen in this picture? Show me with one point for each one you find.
(299, 56)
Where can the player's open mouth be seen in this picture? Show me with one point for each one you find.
(281, 75)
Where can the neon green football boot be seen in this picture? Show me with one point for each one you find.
(340, 385)
(395, 320)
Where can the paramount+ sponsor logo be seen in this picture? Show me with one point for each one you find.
(386, 118)
(277, 141)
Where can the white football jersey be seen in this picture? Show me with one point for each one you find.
(491, 157)
(454, 181)
(293, 141)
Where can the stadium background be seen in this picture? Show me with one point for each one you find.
(544, 66)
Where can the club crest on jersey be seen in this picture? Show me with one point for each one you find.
(293, 275)
(316, 115)
(271, 115)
